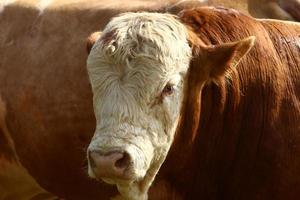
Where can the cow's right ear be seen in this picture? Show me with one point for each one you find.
(90, 41)
(214, 61)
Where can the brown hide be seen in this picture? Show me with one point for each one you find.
(7, 148)
(275, 9)
(292, 7)
(15, 182)
(43, 79)
(247, 145)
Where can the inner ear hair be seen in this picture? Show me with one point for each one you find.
(216, 60)
(90, 41)
(239, 49)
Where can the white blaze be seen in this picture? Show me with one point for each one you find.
(137, 55)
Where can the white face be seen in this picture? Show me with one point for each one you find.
(137, 69)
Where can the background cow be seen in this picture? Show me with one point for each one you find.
(275, 9)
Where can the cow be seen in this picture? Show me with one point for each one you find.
(211, 96)
(44, 82)
(275, 9)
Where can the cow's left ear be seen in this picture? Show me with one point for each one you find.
(90, 41)
(218, 59)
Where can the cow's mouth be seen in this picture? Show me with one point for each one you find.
(112, 177)
(115, 181)
(125, 179)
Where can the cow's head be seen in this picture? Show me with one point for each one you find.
(138, 70)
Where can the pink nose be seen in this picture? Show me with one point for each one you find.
(109, 165)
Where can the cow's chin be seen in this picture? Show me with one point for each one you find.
(126, 179)
(119, 181)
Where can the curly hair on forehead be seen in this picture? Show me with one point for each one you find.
(152, 35)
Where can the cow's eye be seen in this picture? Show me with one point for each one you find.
(168, 90)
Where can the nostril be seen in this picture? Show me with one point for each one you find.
(123, 162)
(109, 164)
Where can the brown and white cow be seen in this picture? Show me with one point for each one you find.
(234, 110)
(44, 81)
(49, 111)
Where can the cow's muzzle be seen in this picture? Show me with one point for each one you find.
(112, 164)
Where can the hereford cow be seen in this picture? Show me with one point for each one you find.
(233, 111)
(275, 9)
(44, 81)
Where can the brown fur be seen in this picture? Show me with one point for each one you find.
(185, 4)
(275, 9)
(246, 147)
(15, 181)
(292, 7)
(7, 147)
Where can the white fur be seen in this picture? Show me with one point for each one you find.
(128, 74)
(43, 4)
(4, 3)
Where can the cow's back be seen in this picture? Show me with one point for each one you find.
(286, 41)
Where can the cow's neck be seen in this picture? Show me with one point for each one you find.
(186, 132)
(183, 157)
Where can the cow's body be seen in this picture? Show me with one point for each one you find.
(51, 120)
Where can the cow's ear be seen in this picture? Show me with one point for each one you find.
(219, 59)
(90, 41)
